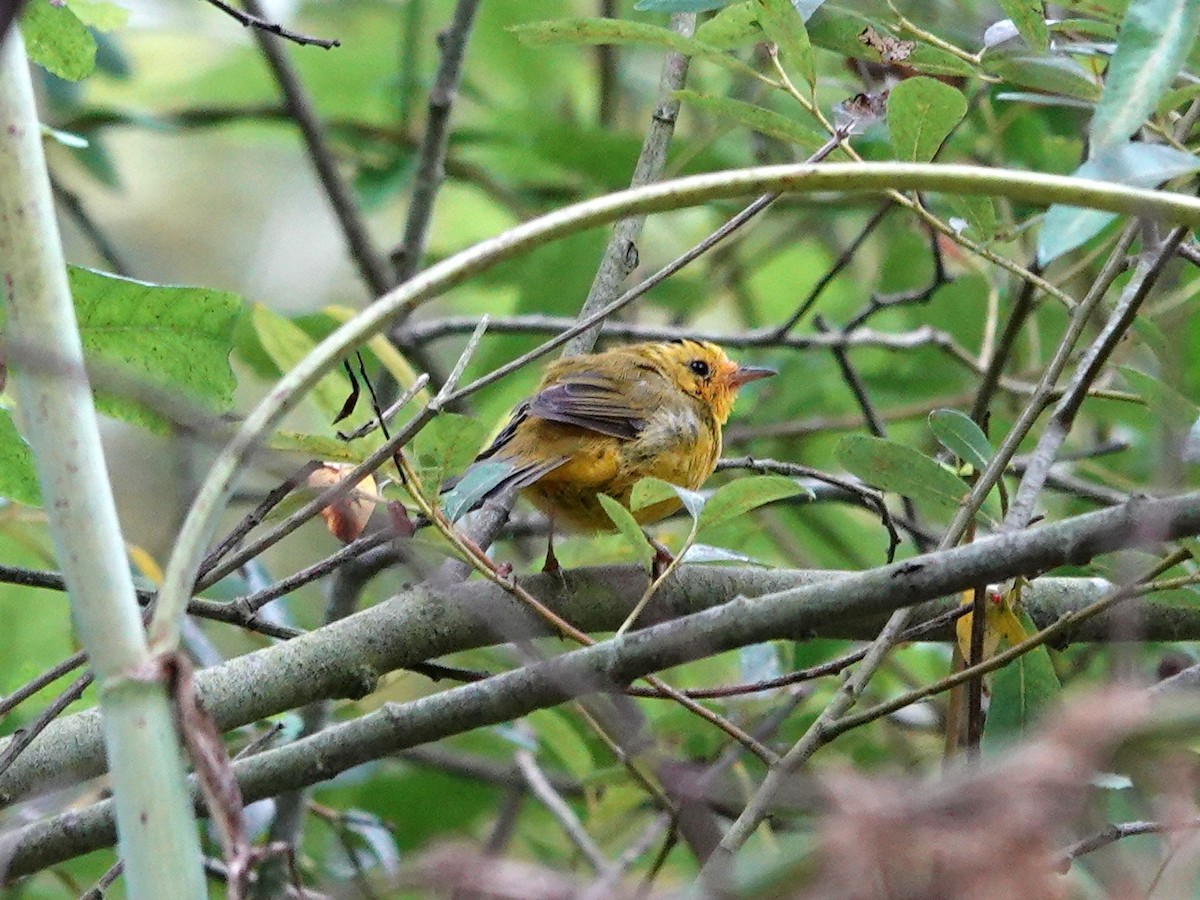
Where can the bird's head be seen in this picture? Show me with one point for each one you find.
(704, 371)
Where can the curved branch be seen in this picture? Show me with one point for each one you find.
(804, 178)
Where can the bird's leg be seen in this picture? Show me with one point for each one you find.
(662, 558)
(551, 564)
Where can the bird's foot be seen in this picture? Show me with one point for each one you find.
(661, 561)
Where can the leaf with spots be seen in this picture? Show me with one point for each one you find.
(158, 352)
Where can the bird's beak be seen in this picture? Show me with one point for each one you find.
(743, 374)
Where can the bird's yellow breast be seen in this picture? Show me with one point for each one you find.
(678, 445)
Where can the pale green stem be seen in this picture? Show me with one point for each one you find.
(1030, 187)
(158, 837)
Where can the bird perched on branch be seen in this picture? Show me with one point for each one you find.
(599, 423)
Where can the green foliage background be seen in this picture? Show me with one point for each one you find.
(192, 170)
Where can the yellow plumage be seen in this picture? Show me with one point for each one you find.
(601, 422)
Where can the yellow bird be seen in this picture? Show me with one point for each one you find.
(599, 423)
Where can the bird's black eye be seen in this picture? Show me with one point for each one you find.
(699, 367)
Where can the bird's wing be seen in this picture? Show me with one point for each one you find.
(615, 405)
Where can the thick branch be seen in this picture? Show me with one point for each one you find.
(790, 613)
(346, 658)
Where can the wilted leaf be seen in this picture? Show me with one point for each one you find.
(921, 114)
(1152, 43)
(739, 497)
(959, 434)
(890, 49)
(56, 40)
(347, 516)
(627, 526)
(385, 351)
(895, 467)
(1139, 165)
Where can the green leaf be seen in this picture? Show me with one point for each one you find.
(628, 527)
(624, 32)
(1153, 338)
(172, 338)
(734, 26)
(287, 343)
(674, 6)
(921, 114)
(1138, 165)
(57, 41)
(649, 491)
(1153, 43)
(1020, 692)
(558, 735)
(978, 212)
(445, 447)
(1052, 74)
(781, 23)
(1030, 18)
(473, 487)
(1170, 407)
(99, 14)
(895, 467)
(757, 119)
(319, 446)
(18, 477)
(959, 434)
(740, 496)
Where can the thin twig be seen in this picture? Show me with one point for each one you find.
(1112, 833)
(541, 787)
(834, 270)
(26, 734)
(371, 265)
(1023, 306)
(76, 210)
(254, 20)
(430, 169)
(870, 498)
(621, 255)
(1119, 322)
